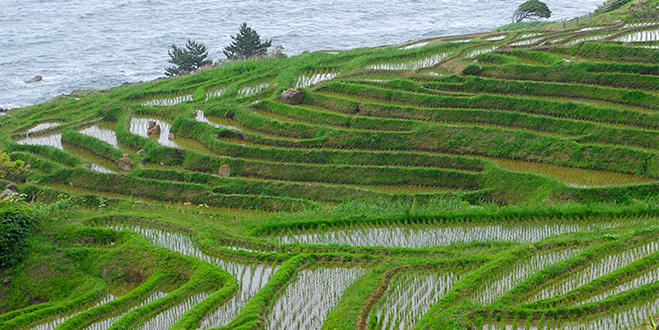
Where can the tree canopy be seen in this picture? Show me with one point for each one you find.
(531, 9)
(187, 59)
(247, 43)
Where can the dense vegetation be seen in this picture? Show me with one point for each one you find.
(497, 180)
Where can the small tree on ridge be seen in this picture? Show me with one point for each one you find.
(187, 59)
(531, 9)
(247, 43)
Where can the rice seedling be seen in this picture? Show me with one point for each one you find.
(100, 169)
(310, 80)
(416, 45)
(215, 93)
(165, 319)
(250, 277)
(408, 298)
(481, 51)
(412, 65)
(647, 277)
(596, 269)
(574, 177)
(54, 323)
(627, 319)
(589, 38)
(496, 38)
(518, 273)
(310, 298)
(640, 24)
(107, 323)
(42, 126)
(591, 28)
(528, 35)
(168, 102)
(103, 134)
(429, 237)
(202, 119)
(640, 36)
(54, 140)
(459, 40)
(140, 126)
(250, 90)
(525, 42)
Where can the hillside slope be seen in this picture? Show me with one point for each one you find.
(489, 181)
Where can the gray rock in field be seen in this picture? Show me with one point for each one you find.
(34, 79)
(10, 189)
(225, 170)
(155, 129)
(171, 136)
(292, 96)
(125, 163)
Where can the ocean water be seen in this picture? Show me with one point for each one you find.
(102, 43)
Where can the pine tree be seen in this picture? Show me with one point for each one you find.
(187, 59)
(531, 9)
(247, 43)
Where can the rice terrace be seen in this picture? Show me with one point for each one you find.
(501, 180)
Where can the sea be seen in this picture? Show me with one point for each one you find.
(97, 44)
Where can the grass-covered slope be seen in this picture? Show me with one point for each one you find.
(489, 181)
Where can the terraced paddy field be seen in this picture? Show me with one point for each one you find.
(504, 180)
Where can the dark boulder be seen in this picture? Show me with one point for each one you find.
(292, 96)
(125, 163)
(10, 189)
(225, 170)
(153, 128)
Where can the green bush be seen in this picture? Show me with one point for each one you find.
(17, 223)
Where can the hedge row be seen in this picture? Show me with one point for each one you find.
(587, 132)
(487, 101)
(238, 185)
(566, 73)
(171, 191)
(345, 174)
(606, 51)
(58, 156)
(529, 88)
(328, 118)
(202, 133)
(92, 145)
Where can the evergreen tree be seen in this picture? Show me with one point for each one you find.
(531, 9)
(187, 59)
(247, 43)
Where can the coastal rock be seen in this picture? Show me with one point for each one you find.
(34, 79)
(81, 91)
(10, 189)
(3, 110)
(125, 163)
(171, 136)
(225, 170)
(292, 96)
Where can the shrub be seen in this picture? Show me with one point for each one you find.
(16, 224)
